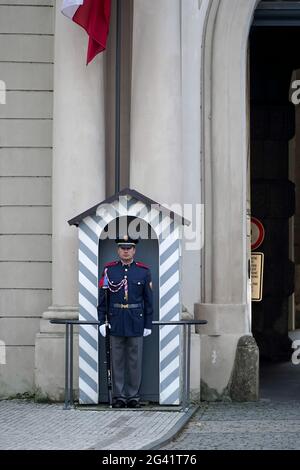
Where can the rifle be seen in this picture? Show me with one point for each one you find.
(107, 350)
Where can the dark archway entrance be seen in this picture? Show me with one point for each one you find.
(275, 184)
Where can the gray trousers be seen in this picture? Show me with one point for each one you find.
(126, 358)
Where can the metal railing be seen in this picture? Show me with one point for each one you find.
(186, 324)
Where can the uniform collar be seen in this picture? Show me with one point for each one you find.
(128, 265)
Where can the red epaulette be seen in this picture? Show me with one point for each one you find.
(111, 263)
(107, 265)
(141, 265)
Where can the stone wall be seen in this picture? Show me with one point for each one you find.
(26, 69)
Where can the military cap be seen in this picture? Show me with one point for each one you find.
(126, 241)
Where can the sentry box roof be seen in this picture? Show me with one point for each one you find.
(135, 195)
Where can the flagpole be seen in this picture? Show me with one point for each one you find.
(118, 96)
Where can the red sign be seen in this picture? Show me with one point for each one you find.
(257, 233)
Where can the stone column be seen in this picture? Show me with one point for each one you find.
(165, 121)
(192, 21)
(226, 146)
(156, 143)
(78, 183)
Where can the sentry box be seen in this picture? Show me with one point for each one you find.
(160, 248)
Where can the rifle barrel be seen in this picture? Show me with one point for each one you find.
(107, 351)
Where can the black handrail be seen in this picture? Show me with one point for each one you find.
(69, 354)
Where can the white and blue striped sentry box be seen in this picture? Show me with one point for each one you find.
(167, 226)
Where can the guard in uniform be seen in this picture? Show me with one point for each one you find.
(130, 308)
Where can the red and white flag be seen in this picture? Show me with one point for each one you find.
(94, 17)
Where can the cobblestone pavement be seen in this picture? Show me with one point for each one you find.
(25, 425)
(267, 424)
(242, 426)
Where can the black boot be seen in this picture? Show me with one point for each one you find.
(119, 404)
(133, 403)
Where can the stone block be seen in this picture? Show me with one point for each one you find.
(26, 48)
(26, 133)
(26, 19)
(25, 162)
(24, 302)
(25, 275)
(29, 2)
(27, 104)
(221, 318)
(19, 331)
(217, 362)
(25, 220)
(25, 191)
(17, 375)
(25, 248)
(50, 365)
(27, 76)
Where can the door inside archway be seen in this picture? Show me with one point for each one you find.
(275, 182)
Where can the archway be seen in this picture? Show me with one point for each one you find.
(226, 167)
(275, 182)
(226, 295)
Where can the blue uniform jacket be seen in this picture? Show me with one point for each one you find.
(127, 321)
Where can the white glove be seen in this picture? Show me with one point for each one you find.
(147, 332)
(102, 329)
